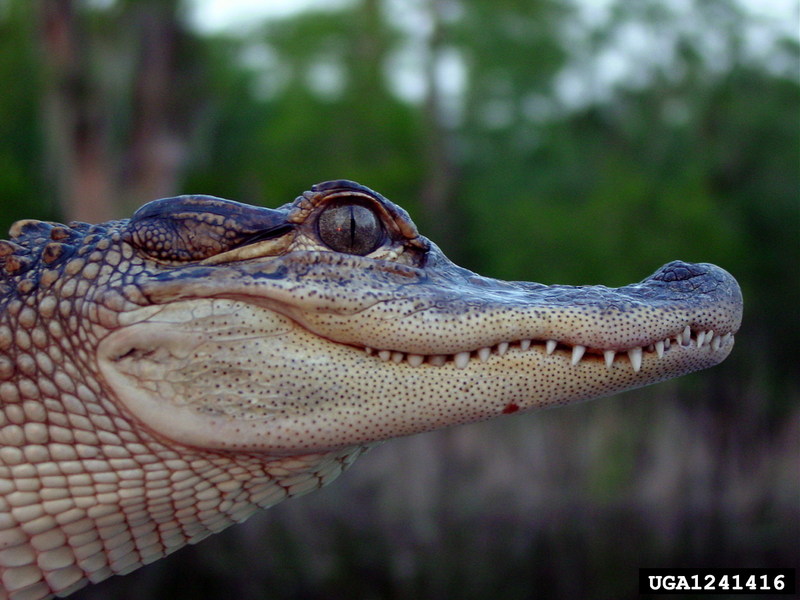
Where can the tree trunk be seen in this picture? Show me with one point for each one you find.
(76, 124)
(111, 150)
(439, 186)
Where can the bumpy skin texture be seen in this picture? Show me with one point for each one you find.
(165, 376)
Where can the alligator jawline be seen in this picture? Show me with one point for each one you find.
(687, 338)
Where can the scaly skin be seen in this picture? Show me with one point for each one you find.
(165, 376)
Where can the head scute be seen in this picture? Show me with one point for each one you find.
(35, 243)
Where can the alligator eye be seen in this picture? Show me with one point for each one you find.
(350, 228)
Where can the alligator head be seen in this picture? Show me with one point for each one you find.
(164, 376)
(331, 322)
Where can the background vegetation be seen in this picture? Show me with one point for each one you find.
(547, 140)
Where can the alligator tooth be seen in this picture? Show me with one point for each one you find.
(709, 336)
(461, 359)
(385, 355)
(525, 345)
(716, 343)
(609, 356)
(660, 349)
(502, 348)
(550, 346)
(415, 360)
(727, 338)
(437, 359)
(667, 344)
(398, 357)
(484, 353)
(701, 339)
(577, 353)
(687, 336)
(368, 350)
(635, 354)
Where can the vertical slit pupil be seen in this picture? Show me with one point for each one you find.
(351, 228)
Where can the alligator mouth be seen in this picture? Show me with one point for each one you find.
(688, 338)
(397, 314)
(233, 374)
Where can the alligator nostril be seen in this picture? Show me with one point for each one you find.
(679, 271)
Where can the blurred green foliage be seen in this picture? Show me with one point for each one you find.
(499, 126)
(22, 171)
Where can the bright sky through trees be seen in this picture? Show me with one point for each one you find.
(211, 15)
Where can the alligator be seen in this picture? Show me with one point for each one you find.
(165, 376)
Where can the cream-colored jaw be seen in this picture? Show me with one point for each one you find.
(227, 374)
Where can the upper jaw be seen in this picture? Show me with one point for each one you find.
(402, 312)
(682, 306)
